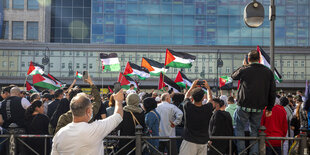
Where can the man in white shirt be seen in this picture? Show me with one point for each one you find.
(170, 116)
(81, 137)
(131, 89)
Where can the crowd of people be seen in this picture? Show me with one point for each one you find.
(80, 122)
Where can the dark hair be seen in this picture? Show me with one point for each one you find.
(58, 92)
(197, 94)
(289, 96)
(146, 95)
(45, 91)
(32, 108)
(132, 85)
(177, 99)
(300, 91)
(149, 104)
(219, 101)
(284, 101)
(231, 99)
(73, 92)
(62, 108)
(6, 89)
(299, 98)
(34, 96)
(253, 56)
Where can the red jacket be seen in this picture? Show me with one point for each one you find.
(276, 125)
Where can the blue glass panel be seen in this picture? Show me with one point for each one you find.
(246, 31)
(165, 31)
(234, 32)
(188, 20)
(165, 20)
(280, 22)
(266, 42)
(120, 40)
(188, 41)
(154, 19)
(166, 8)
(97, 29)
(222, 20)
(78, 3)
(234, 41)
(142, 30)
(120, 30)
(154, 31)
(177, 31)
(177, 20)
(303, 22)
(120, 8)
(246, 41)
(303, 32)
(257, 41)
(222, 41)
(154, 40)
(18, 30)
(132, 30)
(67, 12)
(235, 21)
(142, 19)
(143, 40)
(32, 30)
(166, 40)
(188, 9)
(132, 8)
(77, 12)
(120, 19)
(303, 10)
(222, 32)
(280, 33)
(108, 19)
(258, 32)
(291, 41)
(188, 31)
(291, 32)
(266, 32)
(108, 8)
(222, 10)
(178, 40)
(108, 39)
(132, 40)
(177, 9)
(108, 29)
(67, 3)
(132, 19)
(280, 10)
(234, 10)
(280, 41)
(87, 12)
(32, 5)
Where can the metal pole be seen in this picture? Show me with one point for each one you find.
(262, 138)
(303, 141)
(139, 133)
(272, 18)
(217, 73)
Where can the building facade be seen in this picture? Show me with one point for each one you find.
(72, 33)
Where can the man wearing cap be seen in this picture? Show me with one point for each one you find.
(257, 90)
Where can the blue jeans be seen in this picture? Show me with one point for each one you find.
(241, 118)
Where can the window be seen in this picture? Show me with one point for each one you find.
(37, 53)
(302, 64)
(77, 53)
(23, 64)
(288, 64)
(32, 30)
(11, 64)
(210, 70)
(175, 70)
(18, 4)
(5, 30)
(52, 65)
(295, 63)
(295, 75)
(70, 65)
(90, 66)
(288, 75)
(23, 53)
(227, 70)
(77, 65)
(84, 66)
(4, 63)
(196, 69)
(189, 70)
(63, 65)
(275, 63)
(18, 30)
(6, 4)
(32, 5)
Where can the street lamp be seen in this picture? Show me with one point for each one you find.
(254, 17)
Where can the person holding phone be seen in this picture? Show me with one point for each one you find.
(196, 120)
(66, 118)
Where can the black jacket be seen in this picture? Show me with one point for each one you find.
(257, 86)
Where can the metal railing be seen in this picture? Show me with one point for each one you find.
(141, 142)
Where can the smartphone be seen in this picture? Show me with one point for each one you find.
(201, 83)
(117, 87)
(85, 75)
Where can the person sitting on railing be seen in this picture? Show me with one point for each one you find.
(220, 125)
(196, 120)
(276, 126)
(152, 120)
(133, 116)
(37, 123)
(81, 137)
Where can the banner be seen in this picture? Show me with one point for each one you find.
(1, 17)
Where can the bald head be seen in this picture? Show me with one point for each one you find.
(165, 97)
(79, 104)
(15, 91)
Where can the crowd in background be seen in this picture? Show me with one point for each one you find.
(195, 115)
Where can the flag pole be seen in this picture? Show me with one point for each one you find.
(163, 78)
(25, 82)
(101, 81)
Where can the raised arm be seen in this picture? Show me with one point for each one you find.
(210, 98)
(95, 93)
(119, 98)
(71, 86)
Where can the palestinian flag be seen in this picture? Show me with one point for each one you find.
(178, 59)
(265, 60)
(126, 81)
(225, 83)
(44, 81)
(57, 82)
(78, 75)
(30, 88)
(154, 67)
(110, 62)
(133, 69)
(165, 81)
(182, 80)
(35, 68)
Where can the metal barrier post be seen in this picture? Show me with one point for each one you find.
(303, 142)
(139, 133)
(262, 139)
(12, 145)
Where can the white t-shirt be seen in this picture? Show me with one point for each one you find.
(25, 103)
(84, 138)
(129, 91)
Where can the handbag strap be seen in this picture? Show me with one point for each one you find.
(155, 114)
(134, 119)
